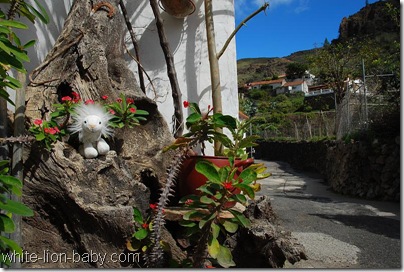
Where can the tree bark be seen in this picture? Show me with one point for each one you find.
(84, 206)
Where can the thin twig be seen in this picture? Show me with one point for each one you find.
(135, 46)
(262, 8)
(144, 70)
(172, 74)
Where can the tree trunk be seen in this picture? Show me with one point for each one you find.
(84, 206)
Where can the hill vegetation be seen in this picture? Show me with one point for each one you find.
(370, 38)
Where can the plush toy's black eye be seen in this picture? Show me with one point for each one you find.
(99, 122)
(85, 122)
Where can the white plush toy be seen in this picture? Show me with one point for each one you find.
(91, 122)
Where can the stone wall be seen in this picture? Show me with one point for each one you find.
(367, 170)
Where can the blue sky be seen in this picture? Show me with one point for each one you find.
(290, 25)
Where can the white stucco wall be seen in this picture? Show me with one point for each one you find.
(187, 38)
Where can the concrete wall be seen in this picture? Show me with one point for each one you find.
(187, 38)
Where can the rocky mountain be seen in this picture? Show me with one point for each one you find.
(374, 20)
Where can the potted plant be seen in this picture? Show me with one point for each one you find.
(209, 186)
(202, 128)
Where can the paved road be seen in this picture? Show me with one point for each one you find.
(337, 231)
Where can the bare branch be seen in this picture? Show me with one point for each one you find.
(262, 8)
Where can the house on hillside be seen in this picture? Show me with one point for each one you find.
(319, 90)
(270, 84)
(298, 85)
(309, 78)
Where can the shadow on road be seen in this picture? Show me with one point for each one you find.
(379, 225)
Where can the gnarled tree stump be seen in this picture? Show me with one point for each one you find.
(84, 206)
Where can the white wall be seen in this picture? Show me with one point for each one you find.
(187, 38)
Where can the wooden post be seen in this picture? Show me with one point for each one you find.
(214, 67)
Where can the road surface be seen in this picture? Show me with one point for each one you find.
(337, 231)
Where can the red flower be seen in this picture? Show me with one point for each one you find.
(89, 101)
(76, 97)
(111, 111)
(56, 129)
(189, 202)
(145, 225)
(186, 104)
(209, 266)
(132, 110)
(153, 206)
(119, 100)
(38, 122)
(227, 185)
(66, 98)
(130, 100)
(50, 131)
(104, 97)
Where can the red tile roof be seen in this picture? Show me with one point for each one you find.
(265, 82)
(294, 83)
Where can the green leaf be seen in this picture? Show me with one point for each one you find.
(142, 112)
(12, 245)
(40, 136)
(16, 208)
(187, 224)
(246, 189)
(215, 230)
(247, 176)
(141, 234)
(14, 24)
(14, 182)
(192, 118)
(225, 121)
(224, 257)
(207, 169)
(42, 15)
(3, 163)
(7, 59)
(206, 189)
(240, 218)
(137, 215)
(206, 200)
(240, 198)
(6, 96)
(191, 215)
(223, 173)
(195, 108)
(29, 44)
(230, 226)
(213, 247)
(6, 224)
(14, 82)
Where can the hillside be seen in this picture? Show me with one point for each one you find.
(372, 20)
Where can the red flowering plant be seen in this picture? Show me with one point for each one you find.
(206, 221)
(125, 112)
(141, 239)
(48, 132)
(202, 127)
(225, 186)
